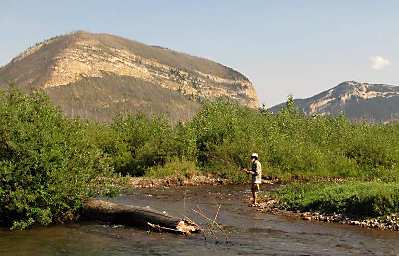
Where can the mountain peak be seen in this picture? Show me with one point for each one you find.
(357, 100)
(62, 62)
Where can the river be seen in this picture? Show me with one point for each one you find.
(246, 231)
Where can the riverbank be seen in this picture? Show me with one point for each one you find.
(123, 184)
(389, 222)
(366, 204)
(128, 183)
(197, 180)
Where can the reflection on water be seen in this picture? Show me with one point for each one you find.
(249, 232)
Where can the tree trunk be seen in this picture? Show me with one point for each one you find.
(135, 216)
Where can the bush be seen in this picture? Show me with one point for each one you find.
(46, 162)
(152, 142)
(226, 134)
(111, 142)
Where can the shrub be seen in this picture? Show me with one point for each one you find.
(46, 162)
(152, 142)
(111, 142)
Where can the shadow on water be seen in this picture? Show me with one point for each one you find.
(246, 231)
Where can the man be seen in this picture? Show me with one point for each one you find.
(256, 173)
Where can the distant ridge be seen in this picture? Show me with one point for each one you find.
(358, 101)
(98, 76)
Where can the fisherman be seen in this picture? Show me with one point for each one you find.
(256, 173)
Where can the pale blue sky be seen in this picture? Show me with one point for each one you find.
(284, 47)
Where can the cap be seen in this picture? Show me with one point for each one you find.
(255, 155)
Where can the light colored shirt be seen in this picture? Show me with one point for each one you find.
(256, 172)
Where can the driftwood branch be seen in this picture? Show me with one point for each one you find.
(100, 210)
(212, 226)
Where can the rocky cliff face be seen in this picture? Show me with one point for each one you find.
(67, 62)
(358, 101)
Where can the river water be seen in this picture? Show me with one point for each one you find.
(246, 231)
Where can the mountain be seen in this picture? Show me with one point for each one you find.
(98, 76)
(357, 101)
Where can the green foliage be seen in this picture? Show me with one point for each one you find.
(290, 144)
(222, 135)
(49, 164)
(366, 199)
(177, 168)
(46, 162)
(152, 142)
(112, 144)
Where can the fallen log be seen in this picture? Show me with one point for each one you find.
(105, 211)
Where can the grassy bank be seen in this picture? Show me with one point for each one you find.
(351, 198)
(48, 163)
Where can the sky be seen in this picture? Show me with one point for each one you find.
(297, 48)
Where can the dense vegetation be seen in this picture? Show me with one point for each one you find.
(222, 135)
(48, 163)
